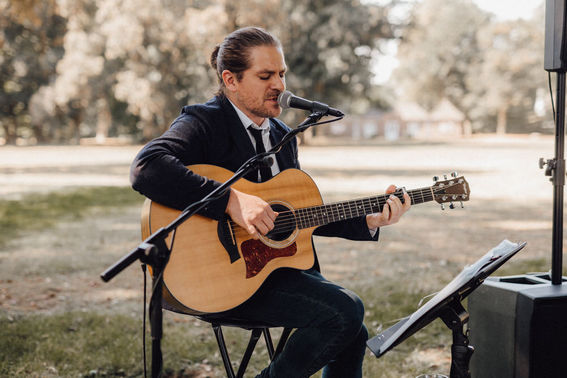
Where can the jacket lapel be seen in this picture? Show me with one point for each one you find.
(243, 147)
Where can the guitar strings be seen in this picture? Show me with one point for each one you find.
(289, 220)
(293, 218)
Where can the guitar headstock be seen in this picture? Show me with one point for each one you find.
(455, 189)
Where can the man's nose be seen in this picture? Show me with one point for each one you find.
(279, 83)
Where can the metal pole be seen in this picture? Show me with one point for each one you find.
(558, 183)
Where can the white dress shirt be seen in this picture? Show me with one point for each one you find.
(265, 127)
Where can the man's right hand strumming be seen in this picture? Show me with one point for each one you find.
(251, 213)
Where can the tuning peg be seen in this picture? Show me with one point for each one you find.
(462, 206)
(445, 176)
(454, 174)
(435, 178)
(451, 206)
(442, 206)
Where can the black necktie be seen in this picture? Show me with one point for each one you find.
(265, 172)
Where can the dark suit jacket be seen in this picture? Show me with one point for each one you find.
(212, 133)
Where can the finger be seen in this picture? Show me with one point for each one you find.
(262, 228)
(252, 231)
(271, 214)
(268, 223)
(385, 212)
(395, 204)
(407, 200)
(391, 189)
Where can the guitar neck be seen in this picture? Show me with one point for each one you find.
(324, 214)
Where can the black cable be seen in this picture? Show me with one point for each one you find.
(144, 322)
(551, 94)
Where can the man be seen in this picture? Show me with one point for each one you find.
(328, 319)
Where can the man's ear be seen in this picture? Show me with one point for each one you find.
(229, 79)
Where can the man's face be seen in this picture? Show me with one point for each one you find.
(256, 93)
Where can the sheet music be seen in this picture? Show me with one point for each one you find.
(388, 337)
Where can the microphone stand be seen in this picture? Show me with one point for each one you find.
(155, 252)
(556, 169)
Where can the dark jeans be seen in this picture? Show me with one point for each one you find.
(328, 320)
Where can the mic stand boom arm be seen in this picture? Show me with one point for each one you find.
(155, 252)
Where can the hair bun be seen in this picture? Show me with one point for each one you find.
(214, 56)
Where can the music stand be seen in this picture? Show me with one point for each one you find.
(446, 305)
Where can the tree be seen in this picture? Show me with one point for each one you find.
(511, 72)
(31, 34)
(438, 50)
(488, 69)
(131, 65)
(329, 46)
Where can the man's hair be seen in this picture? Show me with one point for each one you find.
(233, 53)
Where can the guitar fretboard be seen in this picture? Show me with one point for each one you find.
(324, 214)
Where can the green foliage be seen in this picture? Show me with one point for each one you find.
(37, 211)
(99, 68)
(128, 65)
(30, 46)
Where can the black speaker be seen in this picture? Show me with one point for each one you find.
(518, 327)
(555, 58)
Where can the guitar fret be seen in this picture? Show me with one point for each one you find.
(302, 217)
(371, 207)
(325, 214)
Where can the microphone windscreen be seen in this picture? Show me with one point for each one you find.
(284, 98)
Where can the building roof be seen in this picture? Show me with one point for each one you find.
(410, 111)
(446, 111)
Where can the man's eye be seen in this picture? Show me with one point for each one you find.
(264, 77)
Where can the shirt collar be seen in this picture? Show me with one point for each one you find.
(246, 121)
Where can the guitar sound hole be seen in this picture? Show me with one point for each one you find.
(284, 225)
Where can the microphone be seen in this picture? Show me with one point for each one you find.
(286, 99)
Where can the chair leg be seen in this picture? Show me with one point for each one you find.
(269, 343)
(223, 351)
(283, 339)
(256, 332)
(254, 337)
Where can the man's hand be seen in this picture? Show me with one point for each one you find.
(391, 212)
(250, 212)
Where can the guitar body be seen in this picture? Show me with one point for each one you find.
(215, 266)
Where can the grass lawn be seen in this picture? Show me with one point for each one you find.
(57, 318)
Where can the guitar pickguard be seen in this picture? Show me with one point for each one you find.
(256, 255)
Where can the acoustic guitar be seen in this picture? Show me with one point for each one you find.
(215, 265)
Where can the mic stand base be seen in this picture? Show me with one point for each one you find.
(157, 258)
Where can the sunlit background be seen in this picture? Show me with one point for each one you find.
(98, 71)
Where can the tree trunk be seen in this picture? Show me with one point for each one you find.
(502, 121)
(103, 122)
(467, 128)
(10, 130)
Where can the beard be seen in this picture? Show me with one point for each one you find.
(267, 108)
